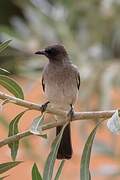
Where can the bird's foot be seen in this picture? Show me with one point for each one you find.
(44, 106)
(70, 113)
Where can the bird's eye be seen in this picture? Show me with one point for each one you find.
(51, 51)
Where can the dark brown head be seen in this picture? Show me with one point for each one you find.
(54, 53)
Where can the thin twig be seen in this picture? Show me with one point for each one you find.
(28, 133)
(77, 115)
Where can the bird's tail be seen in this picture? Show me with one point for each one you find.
(65, 148)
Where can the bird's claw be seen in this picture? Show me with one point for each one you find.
(70, 113)
(44, 106)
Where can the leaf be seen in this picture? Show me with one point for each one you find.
(49, 165)
(59, 170)
(113, 123)
(4, 71)
(36, 127)
(13, 129)
(85, 159)
(4, 45)
(35, 173)
(6, 166)
(11, 86)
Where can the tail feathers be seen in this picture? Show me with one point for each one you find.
(65, 148)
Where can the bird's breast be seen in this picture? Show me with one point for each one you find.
(60, 86)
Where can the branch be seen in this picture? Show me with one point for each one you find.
(28, 133)
(77, 116)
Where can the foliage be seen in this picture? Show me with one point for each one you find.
(85, 159)
(59, 170)
(4, 45)
(8, 165)
(13, 129)
(11, 86)
(14, 88)
(35, 173)
(49, 165)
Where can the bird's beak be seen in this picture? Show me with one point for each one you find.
(42, 52)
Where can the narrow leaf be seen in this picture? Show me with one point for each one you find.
(4, 45)
(6, 166)
(12, 86)
(4, 71)
(59, 170)
(49, 165)
(35, 173)
(36, 127)
(85, 159)
(13, 129)
(113, 123)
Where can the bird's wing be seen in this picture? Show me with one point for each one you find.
(78, 80)
(43, 84)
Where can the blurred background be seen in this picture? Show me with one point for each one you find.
(90, 31)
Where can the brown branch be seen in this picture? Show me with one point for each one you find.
(77, 116)
(28, 133)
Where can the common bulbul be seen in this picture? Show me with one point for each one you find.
(61, 83)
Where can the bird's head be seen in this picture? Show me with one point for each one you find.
(54, 52)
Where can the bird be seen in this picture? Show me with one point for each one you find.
(61, 83)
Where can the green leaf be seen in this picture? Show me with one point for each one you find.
(4, 71)
(35, 173)
(59, 170)
(13, 129)
(85, 159)
(12, 86)
(4, 45)
(36, 127)
(49, 165)
(6, 166)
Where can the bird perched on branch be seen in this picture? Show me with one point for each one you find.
(61, 82)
